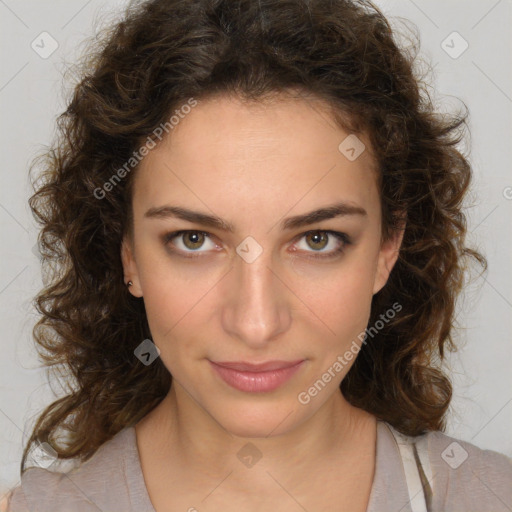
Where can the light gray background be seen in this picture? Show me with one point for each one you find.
(32, 95)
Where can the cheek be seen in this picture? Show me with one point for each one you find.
(339, 293)
(172, 312)
(167, 297)
(345, 309)
(177, 303)
(340, 304)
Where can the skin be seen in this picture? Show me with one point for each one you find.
(253, 166)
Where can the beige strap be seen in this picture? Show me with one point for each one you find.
(412, 476)
(422, 450)
(424, 467)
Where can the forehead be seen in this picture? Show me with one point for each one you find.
(226, 151)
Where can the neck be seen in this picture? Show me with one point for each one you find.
(182, 431)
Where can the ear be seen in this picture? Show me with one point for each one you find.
(130, 267)
(388, 255)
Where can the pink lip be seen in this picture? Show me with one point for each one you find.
(256, 378)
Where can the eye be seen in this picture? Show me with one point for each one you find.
(320, 239)
(188, 241)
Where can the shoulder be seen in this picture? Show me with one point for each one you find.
(466, 477)
(95, 484)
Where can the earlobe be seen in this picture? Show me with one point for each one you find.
(131, 277)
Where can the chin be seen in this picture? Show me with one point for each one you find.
(254, 419)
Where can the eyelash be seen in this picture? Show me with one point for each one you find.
(342, 237)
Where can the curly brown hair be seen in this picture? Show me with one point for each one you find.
(166, 51)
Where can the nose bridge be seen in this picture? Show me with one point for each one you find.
(256, 310)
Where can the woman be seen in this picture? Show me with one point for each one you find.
(254, 219)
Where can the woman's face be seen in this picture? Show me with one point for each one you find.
(264, 290)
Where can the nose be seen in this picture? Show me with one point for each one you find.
(256, 309)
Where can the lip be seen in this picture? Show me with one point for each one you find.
(256, 378)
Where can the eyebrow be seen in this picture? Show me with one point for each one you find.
(328, 212)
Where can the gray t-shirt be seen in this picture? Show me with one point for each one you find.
(464, 478)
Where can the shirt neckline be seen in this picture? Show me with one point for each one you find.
(389, 487)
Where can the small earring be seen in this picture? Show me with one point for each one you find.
(129, 283)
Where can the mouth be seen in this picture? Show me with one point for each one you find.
(256, 378)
